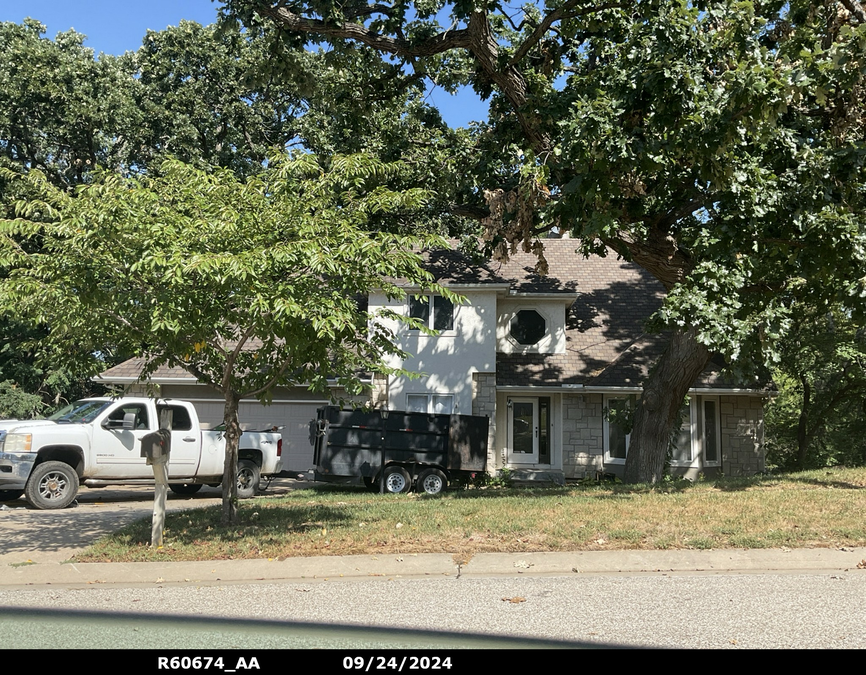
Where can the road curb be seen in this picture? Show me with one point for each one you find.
(438, 565)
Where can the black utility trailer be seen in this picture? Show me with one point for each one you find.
(419, 449)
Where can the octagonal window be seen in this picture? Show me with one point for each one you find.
(528, 327)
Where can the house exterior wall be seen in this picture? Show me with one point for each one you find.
(741, 439)
(484, 403)
(582, 435)
(446, 361)
(553, 312)
(742, 420)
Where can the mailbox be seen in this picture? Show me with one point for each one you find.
(156, 445)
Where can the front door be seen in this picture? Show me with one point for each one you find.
(523, 431)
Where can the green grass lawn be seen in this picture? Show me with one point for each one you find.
(809, 509)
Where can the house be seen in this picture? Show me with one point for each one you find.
(546, 358)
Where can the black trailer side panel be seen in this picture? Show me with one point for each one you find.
(467, 443)
(349, 442)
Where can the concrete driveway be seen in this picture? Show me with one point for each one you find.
(54, 536)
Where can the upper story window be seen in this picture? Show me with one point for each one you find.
(527, 327)
(434, 404)
(440, 318)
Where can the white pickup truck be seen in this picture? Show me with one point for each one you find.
(97, 442)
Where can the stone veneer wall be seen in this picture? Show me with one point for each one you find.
(742, 421)
(582, 434)
(379, 392)
(484, 403)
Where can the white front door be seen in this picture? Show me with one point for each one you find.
(523, 431)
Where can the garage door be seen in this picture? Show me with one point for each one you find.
(294, 417)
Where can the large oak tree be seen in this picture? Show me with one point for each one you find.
(719, 145)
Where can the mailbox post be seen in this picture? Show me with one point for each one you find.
(156, 447)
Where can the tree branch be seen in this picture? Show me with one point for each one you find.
(477, 38)
(856, 10)
(557, 14)
(270, 383)
(437, 44)
(230, 360)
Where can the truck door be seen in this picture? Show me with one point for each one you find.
(185, 441)
(118, 450)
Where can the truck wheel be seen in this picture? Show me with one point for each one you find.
(184, 488)
(397, 480)
(432, 481)
(52, 485)
(10, 495)
(249, 476)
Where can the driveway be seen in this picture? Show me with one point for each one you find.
(55, 536)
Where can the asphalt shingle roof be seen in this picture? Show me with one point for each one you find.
(606, 344)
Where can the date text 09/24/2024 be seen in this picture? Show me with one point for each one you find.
(366, 663)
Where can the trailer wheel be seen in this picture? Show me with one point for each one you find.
(397, 480)
(248, 479)
(432, 481)
(52, 485)
(184, 488)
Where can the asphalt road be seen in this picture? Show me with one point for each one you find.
(723, 611)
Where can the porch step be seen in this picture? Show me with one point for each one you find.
(536, 477)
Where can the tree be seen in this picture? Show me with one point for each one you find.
(719, 145)
(209, 97)
(819, 414)
(246, 284)
(62, 111)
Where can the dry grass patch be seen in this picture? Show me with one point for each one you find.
(819, 508)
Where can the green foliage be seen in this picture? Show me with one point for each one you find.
(18, 404)
(719, 145)
(818, 417)
(62, 111)
(212, 97)
(244, 283)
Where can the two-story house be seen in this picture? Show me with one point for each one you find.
(545, 358)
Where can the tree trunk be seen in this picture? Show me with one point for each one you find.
(230, 469)
(802, 426)
(660, 404)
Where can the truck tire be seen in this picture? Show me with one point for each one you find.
(432, 481)
(249, 476)
(10, 495)
(184, 488)
(52, 485)
(397, 480)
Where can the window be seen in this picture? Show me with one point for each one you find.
(695, 444)
(442, 316)
(180, 417)
(681, 453)
(711, 431)
(617, 426)
(527, 327)
(142, 419)
(434, 404)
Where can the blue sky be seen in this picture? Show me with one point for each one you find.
(115, 27)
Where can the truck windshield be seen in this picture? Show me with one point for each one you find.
(80, 412)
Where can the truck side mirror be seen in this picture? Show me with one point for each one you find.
(129, 421)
